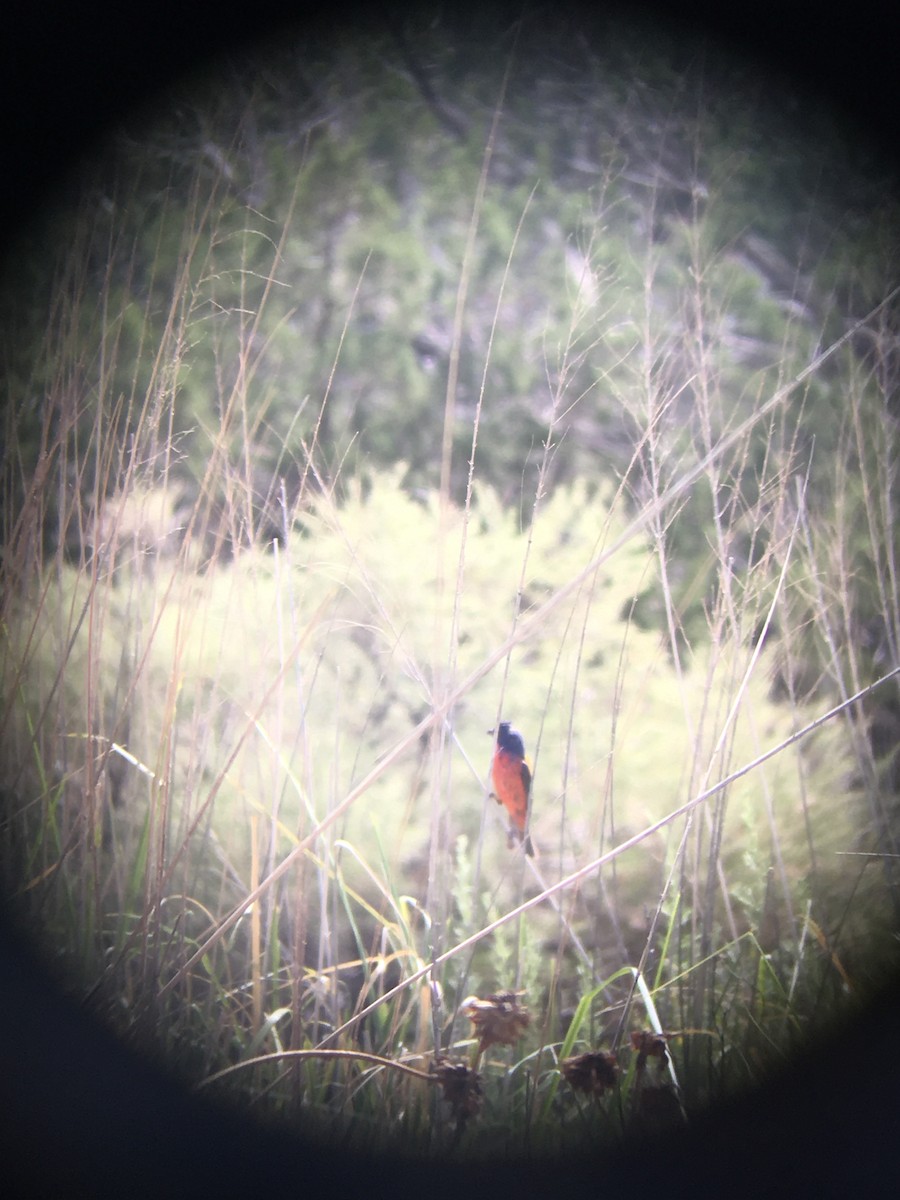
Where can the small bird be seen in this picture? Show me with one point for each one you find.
(511, 777)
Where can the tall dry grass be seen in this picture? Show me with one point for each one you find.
(245, 786)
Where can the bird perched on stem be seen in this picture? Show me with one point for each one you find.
(511, 777)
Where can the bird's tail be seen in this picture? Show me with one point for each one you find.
(516, 835)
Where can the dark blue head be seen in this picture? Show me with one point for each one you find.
(510, 739)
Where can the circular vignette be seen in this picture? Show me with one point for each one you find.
(838, 1126)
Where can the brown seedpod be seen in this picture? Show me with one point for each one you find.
(594, 1072)
(498, 1020)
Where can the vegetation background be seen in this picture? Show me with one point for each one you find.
(172, 414)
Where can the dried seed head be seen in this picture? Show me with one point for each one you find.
(594, 1072)
(499, 1020)
(649, 1045)
(461, 1087)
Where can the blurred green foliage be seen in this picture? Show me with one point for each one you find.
(237, 329)
(264, 273)
(304, 219)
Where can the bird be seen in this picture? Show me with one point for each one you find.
(511, 777)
